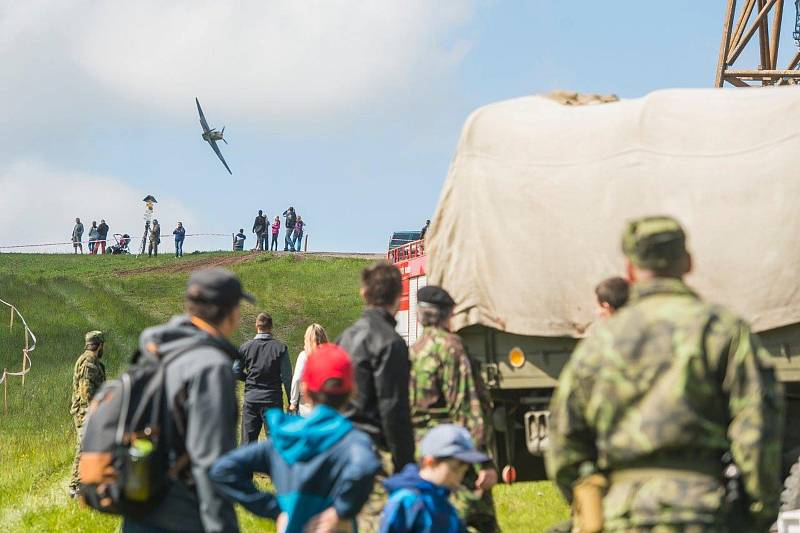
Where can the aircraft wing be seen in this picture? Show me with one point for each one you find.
(202, 117)
(219, 154)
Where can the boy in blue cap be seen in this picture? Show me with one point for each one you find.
(321, 466)
(419, 495)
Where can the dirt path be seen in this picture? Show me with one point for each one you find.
(189, 264)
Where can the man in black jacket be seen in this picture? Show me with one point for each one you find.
(102, 236)
(263, 366)
(259, 228)
(291, 218)
(380, 405)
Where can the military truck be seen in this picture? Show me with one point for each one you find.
(530, 217)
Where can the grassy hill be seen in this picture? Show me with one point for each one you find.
(63, 296)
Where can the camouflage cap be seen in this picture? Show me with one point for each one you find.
(654, 242)
(95, 337)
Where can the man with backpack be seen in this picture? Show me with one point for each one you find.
(291, 218)
(89, 374)
(200, 399)
(264, 366)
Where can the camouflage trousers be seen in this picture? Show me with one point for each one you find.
(476, 510)
(369, 519)
(652, 501)
(75, 478)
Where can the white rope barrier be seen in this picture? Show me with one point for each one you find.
(30, 345)
(70, 243)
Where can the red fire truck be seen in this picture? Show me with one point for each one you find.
(410, 259)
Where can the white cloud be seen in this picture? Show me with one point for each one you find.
(40, 204)
(283, 60)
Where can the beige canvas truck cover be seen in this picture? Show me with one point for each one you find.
(530, 216)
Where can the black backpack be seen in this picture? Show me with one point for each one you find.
(132, 450)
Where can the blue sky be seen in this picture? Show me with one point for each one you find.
(349, 113)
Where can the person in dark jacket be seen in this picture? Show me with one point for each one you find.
(424, 229)
(264, 366)
(102, 236)
(419, 501)
(321, 466)
(260, 228)
(380, 406)
(291, 218)
(201, 382)
(238, 241)
(180, 235)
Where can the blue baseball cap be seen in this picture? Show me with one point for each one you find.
(450, 440)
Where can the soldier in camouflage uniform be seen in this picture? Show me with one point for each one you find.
(445, 388)
(87, 378)
(652, 400)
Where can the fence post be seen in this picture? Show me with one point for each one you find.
(5, 391)
(305, 246)
(25, 357)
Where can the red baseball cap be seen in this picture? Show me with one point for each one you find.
(328, 361)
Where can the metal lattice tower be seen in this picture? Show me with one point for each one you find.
(761, 17)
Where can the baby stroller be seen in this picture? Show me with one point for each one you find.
(122, 244)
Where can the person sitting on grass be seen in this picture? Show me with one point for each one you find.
(321, 466)
(419, 495)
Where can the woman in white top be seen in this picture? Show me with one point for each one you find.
(315, 335)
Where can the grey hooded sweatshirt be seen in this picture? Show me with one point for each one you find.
(202, 377)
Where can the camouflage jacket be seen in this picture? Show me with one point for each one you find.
(88, 376)
(444, 387)
(669, 380)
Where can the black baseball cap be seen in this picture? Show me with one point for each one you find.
(216, 286)
(432, 294)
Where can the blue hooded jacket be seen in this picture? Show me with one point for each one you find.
(315, 462)
(418, 506)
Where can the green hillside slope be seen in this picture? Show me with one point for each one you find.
(61, 297)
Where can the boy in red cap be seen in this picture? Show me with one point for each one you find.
(321, 466)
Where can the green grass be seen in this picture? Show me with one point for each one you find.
(63, 296)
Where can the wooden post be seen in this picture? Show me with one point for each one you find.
(763, 42)
(723, 47)
(305, 245)
(11, 327)
(25, 357)
(5, 391)
(777, 16)
(743, 18)
(750, 32)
